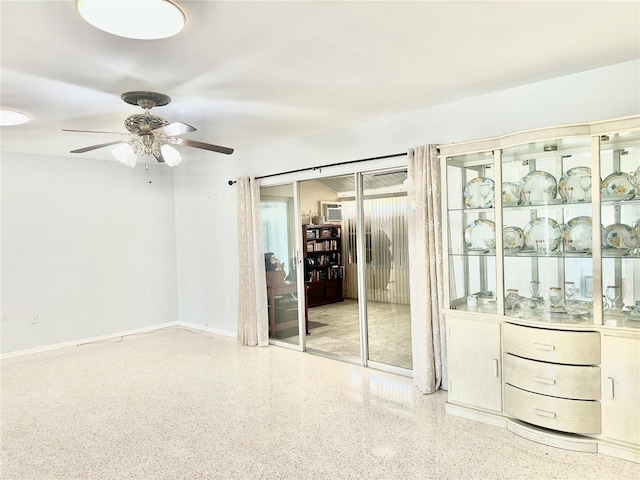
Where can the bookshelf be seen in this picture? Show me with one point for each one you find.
(323, 263)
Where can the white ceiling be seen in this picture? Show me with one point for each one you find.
(246, 73)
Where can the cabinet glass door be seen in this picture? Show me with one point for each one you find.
(547, 230)
(620, 214)
(471, 199)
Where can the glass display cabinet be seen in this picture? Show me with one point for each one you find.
(530, 226)
(542, 230)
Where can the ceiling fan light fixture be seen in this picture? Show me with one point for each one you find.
(12, 117)
(171, 156)
(125, 154)
(137, 19)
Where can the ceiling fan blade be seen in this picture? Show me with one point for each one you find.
(91, 131)
(175, 128)
(94, 147)
(159, 157)
(204, 146)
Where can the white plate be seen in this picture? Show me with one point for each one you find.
(479, 193)
(538, 187)
(477, 232)
(578, 235)
(569, 184)
(617, 236)
(617, 186)
(545, 230)
(513, 238)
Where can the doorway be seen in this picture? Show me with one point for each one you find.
(336, 255)
(370, 323)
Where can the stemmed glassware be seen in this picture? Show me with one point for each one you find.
(612, 293)
(534, 288)
(585, 184)
(570, 290)
(555, 296)
(513, 297)
(516, 188)
(484, 189)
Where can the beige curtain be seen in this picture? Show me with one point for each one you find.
(253, 328)
(425, 271)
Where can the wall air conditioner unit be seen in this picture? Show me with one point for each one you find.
(332, 212)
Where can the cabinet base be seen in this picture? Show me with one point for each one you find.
(569, 441)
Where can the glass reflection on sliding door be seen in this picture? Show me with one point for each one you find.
(277, 210)
(385, 210)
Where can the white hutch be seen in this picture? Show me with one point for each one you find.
(542, 230)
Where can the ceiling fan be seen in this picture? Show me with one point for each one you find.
(150, 134)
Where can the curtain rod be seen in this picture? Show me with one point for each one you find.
(231, 182)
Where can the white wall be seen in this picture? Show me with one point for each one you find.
(202, 192)
(88, 247)
(91, 248)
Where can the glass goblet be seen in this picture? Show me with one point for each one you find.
(490, 243)
(513, 297)
(585, 184)
(484, 189)
(534, 288)
(612, 293)
(555, 295)
(511, 240)
(570, 290)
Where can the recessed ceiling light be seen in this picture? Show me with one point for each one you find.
(138, 19)
(11, 117)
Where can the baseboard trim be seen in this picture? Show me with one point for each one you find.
(124, 333)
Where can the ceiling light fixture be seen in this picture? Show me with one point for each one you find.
(146, 144)
(12, 117)
(138, 19)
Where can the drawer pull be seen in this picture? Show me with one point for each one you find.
(544, 413)
(612, 392)
(547, 381)
(545, 347)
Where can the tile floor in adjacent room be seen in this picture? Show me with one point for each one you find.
(174, 404)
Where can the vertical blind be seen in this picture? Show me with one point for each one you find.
(386, 247)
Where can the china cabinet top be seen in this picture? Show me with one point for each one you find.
(540, 135)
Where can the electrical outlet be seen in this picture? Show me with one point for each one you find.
(35, 319)
(227, 301)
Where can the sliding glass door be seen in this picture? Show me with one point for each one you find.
(369, 323)
(277, 209)
(385, 213)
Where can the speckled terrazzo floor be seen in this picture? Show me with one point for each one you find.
(180, 405)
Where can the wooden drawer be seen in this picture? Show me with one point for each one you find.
(556, 346)
(567, 381)
(575, 416)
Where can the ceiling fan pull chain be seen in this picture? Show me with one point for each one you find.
(148, 169)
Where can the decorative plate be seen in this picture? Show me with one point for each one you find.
(510, 193)
(577, 235)
(617, 186)
(542, 233)
(477, 232)
(538, 187)
(513, 238)
(617, 236)
(569, 184)
(479, 193)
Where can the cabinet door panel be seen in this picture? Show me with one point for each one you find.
(621, 389)
(474, 363)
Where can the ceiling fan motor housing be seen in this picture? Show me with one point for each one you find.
(144, 122)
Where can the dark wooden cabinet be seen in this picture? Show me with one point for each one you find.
(323, 263)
